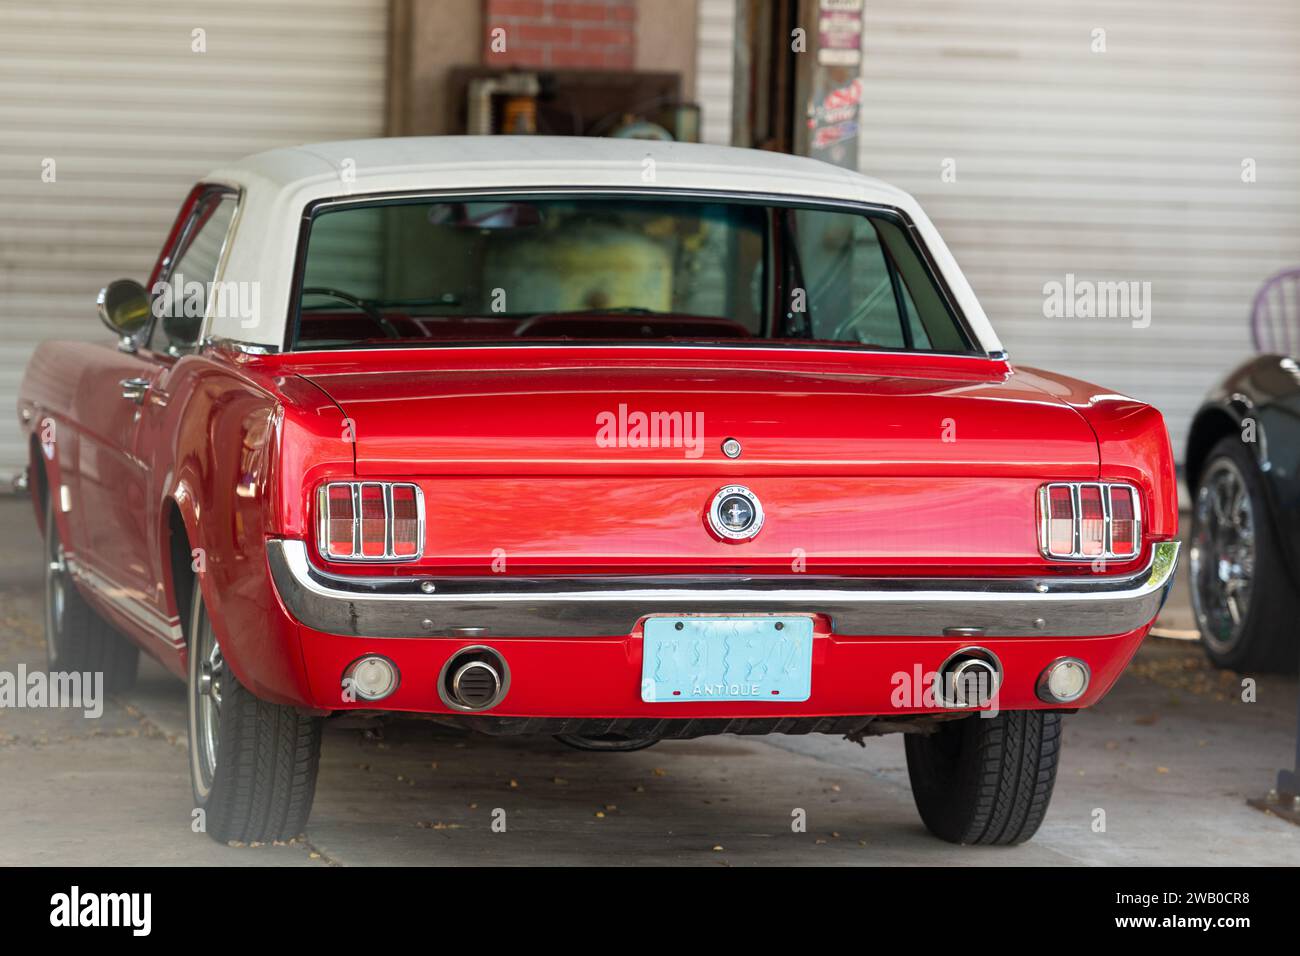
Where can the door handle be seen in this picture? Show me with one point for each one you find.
(134, 389)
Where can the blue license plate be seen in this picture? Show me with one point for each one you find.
(727, 658)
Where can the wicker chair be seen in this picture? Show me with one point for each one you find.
(1275, 316)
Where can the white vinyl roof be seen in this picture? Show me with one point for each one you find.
(278, 185)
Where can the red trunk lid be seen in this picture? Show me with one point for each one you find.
(605, 459)
(550, 411)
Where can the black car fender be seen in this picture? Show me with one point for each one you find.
(1259, 402)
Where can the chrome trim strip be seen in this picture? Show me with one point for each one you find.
(247, 348)
(740, 345)
(225, 190)
(605, 606)
(165, 629)
(223, 258)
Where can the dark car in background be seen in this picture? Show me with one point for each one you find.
(1243, 471)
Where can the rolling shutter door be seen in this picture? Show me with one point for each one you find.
(715, 39)
(1117, 166)
(131, 115)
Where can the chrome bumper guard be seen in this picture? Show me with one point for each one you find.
(604, 606)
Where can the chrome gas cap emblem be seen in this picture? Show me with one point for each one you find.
(735, 513)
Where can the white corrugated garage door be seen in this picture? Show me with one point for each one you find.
(114, 94)
(1117, 166)
(714, 55)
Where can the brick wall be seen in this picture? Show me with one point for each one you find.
(584, 34)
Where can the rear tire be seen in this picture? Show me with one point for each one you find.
(77, 639)
(986, 780)
(253, 764)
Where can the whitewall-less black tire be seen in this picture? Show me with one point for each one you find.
(986, 780)
(253, 764)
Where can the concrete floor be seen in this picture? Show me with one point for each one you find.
(1170, 757)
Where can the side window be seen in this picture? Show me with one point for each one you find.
(854, 292)
(181, 301)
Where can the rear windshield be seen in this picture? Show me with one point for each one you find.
(589, 269)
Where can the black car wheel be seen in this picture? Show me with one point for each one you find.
(76, 638)
(253, 764)
(1246, 607)
(985, 780)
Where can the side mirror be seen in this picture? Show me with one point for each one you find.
(182, 331)
(124, 307)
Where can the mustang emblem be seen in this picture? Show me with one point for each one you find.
(735, 513)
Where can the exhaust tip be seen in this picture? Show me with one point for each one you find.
(970, 677)
(476, 684)
(474, 678)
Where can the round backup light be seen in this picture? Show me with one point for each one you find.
(1063, 680)
(371, 677)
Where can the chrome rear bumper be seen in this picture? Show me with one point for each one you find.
(606, 606)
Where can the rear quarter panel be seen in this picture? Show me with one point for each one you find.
(1132, 441)
(227, 438)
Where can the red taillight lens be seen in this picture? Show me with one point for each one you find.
(1123, 521)
(374, 522)
(339, 521)
(1086, 520)
(1092, 521)
(371, 521)
(406, 521)
(1060, 520)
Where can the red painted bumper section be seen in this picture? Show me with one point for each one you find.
(601, 677)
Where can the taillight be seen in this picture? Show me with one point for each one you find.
(1124, 521)
(1092, 521)
(340, 523)
(374, 521)
(406, 521)
(1086, 520)
(1059, 519)
(370, 521)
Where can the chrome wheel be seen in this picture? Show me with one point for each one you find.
(59, 595)
(56, 597)
(207, 672)
(1222, 559)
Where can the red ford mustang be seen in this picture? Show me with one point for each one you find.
(609, 440)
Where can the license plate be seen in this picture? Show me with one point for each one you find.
(726, 658)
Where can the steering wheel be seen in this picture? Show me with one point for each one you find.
(368, 308)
